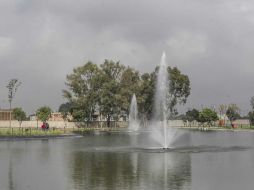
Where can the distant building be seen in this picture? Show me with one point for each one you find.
(241, 122)
(32, 117)
(55, 116)
(5, 114)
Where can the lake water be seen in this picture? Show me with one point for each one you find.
(198, 161)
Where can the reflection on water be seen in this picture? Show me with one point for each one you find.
(106, 162)
(109, 170)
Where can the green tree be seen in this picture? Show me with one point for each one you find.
(251, 117)
(110, 97)
(251, 113)
(84, 90)
(108, 89)
(65, 109)
(12, 89)
(43, 113)
(208, 116)
(145, 95)
(19, 115)
(233, 112)
(222, 113)
(192, 115)
(252, 102)
(179, 89)
(129, 85)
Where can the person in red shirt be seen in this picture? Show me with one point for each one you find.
(43, 126)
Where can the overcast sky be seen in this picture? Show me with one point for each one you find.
(210, 41)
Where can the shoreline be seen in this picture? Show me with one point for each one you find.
(217, 129)
(81, 131)
(37, 137)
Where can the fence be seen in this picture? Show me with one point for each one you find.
(30, 131)
(62, 124)
(113, 124)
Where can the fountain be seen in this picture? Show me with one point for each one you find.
(158, 128)
(133, 117)
(161, 133)
(161, 99)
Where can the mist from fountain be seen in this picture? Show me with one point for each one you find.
(158, 127)
(161, 132)
(133, 116)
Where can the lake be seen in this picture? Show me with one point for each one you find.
(107, 161)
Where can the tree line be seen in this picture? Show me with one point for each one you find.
(43, 113)
(208, 116)
(107, 89)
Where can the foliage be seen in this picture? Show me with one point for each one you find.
(251, 113)
(208, 116)
(233, 112)
(12, 89)
(19, 115)
(43, 113)
(107, 89)
(251, 117)
(65, 109)
(145, 95)
(222, 109)
(110, 98)
(192, 115)
(26, 132)
(84, 92)
(129, 85)
(179, 89)
(252, 102)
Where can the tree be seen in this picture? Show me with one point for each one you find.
(233, 112)
(252, 102)
(108, 88)
(222, 113)
(110, 98)
(84, 84)
(129, 85)
(12, 89)
(222, 109)
(208, 116)
(65, 110)
(65, 107)
(179, 89)
(19, 115)
(251, 113)
(145, 95)
(192, 115)
(43, 113)
(251, 117)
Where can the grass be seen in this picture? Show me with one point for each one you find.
(34, 132)
(87, 129)
(239, 127)
(25, 132)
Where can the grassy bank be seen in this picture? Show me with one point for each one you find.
(34, 132)
(37, 132)
(219, 128)
(25, 132)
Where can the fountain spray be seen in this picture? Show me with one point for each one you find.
(161, 97)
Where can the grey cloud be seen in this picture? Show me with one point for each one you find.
(210, 41)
